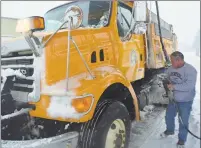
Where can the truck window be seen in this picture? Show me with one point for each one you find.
(96, 14)
(123, 18)
(99, 13)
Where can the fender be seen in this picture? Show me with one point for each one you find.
(105, 76)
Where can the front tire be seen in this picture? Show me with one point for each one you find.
(109, 128)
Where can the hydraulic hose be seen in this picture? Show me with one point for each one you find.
(161, 40)
(179, 115)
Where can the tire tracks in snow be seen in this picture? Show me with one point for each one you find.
(142, 130)
(146, 133)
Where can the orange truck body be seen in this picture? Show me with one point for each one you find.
(112, 64)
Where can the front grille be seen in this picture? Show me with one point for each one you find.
(24, 63)
(17, 62)
(26, 71)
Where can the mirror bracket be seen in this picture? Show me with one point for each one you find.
(44, 44)
(67, 19)
(32, 43)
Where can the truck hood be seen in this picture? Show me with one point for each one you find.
(17, 44)
(14, 45)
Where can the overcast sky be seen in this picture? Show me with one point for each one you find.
(184, 15)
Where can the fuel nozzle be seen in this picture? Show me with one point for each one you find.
(165, 83)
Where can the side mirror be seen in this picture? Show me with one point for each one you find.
(75, 14)
(140, 11)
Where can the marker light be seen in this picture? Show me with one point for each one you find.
(82, 105)
(34, 23)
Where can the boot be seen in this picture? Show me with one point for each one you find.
(180, 144)
(166, 133)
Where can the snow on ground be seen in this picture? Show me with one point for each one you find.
(146, 133)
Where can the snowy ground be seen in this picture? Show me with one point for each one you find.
(146, 133)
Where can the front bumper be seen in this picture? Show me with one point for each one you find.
(67, 140)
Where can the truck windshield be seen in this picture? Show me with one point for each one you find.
(96, 14)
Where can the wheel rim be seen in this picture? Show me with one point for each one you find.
(116, 135)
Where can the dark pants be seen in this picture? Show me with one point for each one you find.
(184, 109)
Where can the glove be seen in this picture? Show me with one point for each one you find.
(170, 95)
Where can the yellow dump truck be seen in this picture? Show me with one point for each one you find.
(79, 75)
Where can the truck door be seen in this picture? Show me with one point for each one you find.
(132, 50)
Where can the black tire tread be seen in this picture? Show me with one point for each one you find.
(88, 129)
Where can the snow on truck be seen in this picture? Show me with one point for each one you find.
(79, 75)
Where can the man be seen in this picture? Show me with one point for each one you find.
(182, 77)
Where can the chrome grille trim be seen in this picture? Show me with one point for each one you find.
(24, 88)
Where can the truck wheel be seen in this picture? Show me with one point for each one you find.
(109, 128)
